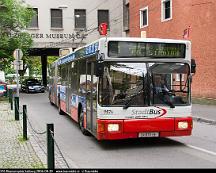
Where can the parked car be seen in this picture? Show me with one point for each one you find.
(32, 86)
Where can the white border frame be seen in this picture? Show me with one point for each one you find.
(163, 11)
(141, 17)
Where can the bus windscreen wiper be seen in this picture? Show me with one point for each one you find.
(132, 97)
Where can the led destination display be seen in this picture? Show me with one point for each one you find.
(139, 49)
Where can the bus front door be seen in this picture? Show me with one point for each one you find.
(91, 95)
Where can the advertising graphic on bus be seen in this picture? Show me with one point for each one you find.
(118, 88)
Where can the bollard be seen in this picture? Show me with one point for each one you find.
(16, 102)
(25, 122)
(6, 93)
(50, 147)
(11, 98)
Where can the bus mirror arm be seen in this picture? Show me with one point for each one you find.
(100, 57)
(99, 69)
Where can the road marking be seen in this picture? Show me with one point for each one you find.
(201, 149)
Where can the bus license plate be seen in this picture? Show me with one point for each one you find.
(148, 134)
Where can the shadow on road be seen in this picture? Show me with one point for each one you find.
(138, 143)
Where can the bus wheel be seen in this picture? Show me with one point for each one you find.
(81, 124)
(51, 103)
(60, 110)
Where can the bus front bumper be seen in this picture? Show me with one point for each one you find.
(163, 127)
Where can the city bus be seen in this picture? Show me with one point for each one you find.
(108, 87)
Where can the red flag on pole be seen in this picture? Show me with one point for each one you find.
(186, 33)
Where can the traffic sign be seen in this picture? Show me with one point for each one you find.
(17, 64)
(18, 54)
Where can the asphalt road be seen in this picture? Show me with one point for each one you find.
(196, 151)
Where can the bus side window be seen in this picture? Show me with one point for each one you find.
(82, 77)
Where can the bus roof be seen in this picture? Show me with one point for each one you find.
(139, 39)
(93, 47)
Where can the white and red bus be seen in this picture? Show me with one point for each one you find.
(108, 87)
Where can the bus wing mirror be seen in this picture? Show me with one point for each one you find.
(193, 66)
(99, 69)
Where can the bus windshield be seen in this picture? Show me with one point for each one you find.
(128, 84)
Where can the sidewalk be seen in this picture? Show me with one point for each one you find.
(17, 153)
(204, 113)
(14, 151)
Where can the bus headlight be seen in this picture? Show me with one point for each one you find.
(113, 127)
(182, 125)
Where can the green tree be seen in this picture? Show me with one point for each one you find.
(51, 59)
(15, 17)
(34, 64)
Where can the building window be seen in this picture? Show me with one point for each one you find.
(56, 18)
(144, 17)
(103, 17)
(166, 10)
(34, 21)
(80, 18)
(126, 16)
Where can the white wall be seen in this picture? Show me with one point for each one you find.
(41, 34)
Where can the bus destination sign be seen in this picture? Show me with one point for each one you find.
(121, 49)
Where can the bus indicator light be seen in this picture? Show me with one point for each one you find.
(100, 128)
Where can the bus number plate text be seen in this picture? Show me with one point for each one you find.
(148, 134)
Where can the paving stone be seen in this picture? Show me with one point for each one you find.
(16, 153)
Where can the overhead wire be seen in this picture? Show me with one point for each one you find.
(54, 44)
(93, 29)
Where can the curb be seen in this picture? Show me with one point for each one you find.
(199, 119)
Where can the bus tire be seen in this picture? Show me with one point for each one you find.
(81, 124)
(50, 100)
(61, 112)
(51, 103)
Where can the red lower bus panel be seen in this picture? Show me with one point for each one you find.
(151, 125)
(74, 113)
(63, 105)
(131, 128)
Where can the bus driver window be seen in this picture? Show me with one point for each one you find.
(107, 89)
